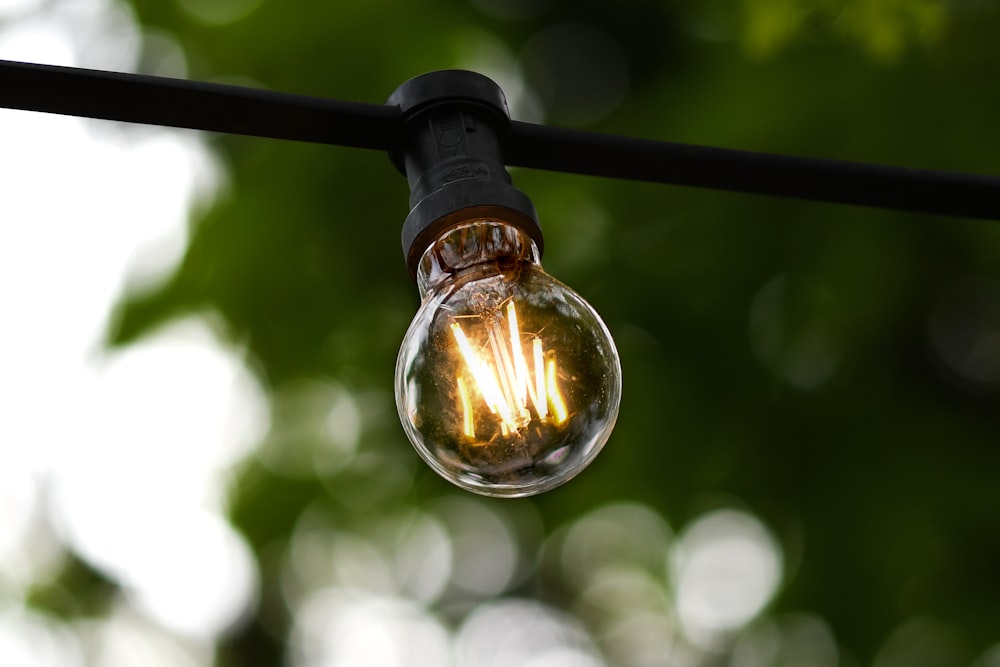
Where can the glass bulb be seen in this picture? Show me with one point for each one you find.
(507, 382)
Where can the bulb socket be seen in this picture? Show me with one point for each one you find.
(450, 151)
(460, 202)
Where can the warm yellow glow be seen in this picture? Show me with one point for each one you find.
(540, 400)
(486, 379)
(555, 397)
(503, 378)
(520, 365)
(468, 424)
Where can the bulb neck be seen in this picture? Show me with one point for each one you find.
(450, 151)
(474, 249)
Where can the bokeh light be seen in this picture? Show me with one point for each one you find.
(142, 501)
(315, 427)
(989, 658)
(194, 575)
(725, 567)
(124, 638)
(28, 639)
(485, 547)
(790, 335)
(343, 628)
(516, 631)
(923, 642)
(29, 550)
(218, 12)
(964, 332)
(12, 8)
(482, 51)
(614, 536)
(578, 71)
(786, 640)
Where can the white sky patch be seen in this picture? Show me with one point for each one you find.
(29, 550)
(11, 8)
(30, 640)
(174, 410)
(33, 41)
(140, 496)
(18, 505)
(128, 449)
(125, 639)
(193, 574)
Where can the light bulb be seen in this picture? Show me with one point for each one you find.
(507, 382)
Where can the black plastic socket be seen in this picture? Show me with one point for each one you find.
(450, 151)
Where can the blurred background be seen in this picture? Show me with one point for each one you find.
(200, 458)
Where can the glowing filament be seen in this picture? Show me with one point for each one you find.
(468, 426)
(486, 379)
(520, 365)
(539, 399)
(502, 376)
(555, 398)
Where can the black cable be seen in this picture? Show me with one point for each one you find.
(945, 193)
(196, 105)
(238, 110)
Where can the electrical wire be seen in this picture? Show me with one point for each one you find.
(249, 111)
(196, 105)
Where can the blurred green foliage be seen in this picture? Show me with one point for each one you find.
(828, 368)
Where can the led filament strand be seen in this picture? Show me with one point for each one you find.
(507, 384)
